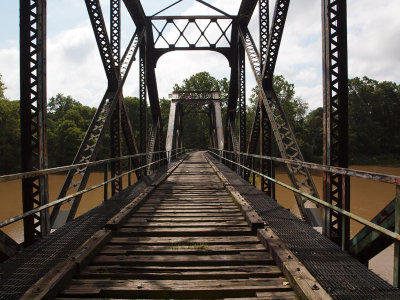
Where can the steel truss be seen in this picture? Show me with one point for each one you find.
(111, 110)
(300, 176)
(234, 41)
(33, 114)
(183, 99)
(336, 186)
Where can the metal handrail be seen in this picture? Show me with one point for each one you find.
(65, 168)
(391, 179)
(30, 174)
(361, 220)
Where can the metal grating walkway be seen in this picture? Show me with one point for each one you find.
(341, 275)
(20, 272)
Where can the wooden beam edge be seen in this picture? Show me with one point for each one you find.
(120, 218)
(60, 275)
(301, 280)
(252, 217)
(304, 284)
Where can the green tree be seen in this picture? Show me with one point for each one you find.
(10, 138)
(196, 125)
(313, 141)
(68, 121)
(374, 109)
(294, 107)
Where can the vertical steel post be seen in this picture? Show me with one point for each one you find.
(335, 120)
(33, 109)
(106, 170)
(242, 103)
(266, 167)
(115, 124)
(129, 169)
(142, 105)
(396, 269)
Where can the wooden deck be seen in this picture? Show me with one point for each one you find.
(187, 240)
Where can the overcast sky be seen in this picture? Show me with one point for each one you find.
(74, 66)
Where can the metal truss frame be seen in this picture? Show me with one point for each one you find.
(112, 102)
(286, 141)
(183, 99)
(269, 116)
(335, 111)
(33, 107)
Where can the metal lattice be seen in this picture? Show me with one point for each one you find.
(186, 32)
(335, 114)
(278, 24)
(33, 115)
(286, 141)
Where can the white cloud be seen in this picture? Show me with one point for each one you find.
(9, 68)
(74, 65)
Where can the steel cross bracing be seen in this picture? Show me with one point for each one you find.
(242, 99)
(142, 103)
(274, 40)
(112, 99)
(191, 32)
(115, 125)
(33, 114)
(336, 186)
(284, 136)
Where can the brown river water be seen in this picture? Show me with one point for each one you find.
(367, 199)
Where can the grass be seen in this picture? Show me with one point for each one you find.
(196, 246)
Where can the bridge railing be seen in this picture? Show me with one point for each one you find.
(228, 158)
(106, 162)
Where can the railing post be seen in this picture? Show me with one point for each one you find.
(345, 219)
(254, 174)
(396, 268)
(106, 170)
(129, 168)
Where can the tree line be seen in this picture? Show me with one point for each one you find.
(374, 125)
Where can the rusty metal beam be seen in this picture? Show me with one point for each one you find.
(275, 37)
(33, 109)
(136, 11)
(335, 117)
(245, 13)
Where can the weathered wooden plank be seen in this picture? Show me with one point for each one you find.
(246, 258)
(180, 249)
(185, 214)
(57, 278)
(199, 231)
(174, 288)
(116, 221)
(185, 210)
(300, 278)
(216, 275)
(183, 219)
(166, 240)
(145, 224)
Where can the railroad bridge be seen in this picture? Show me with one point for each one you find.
(193, 224)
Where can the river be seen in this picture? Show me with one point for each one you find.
(367, 199)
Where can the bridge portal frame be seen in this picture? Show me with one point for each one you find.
(112, 106)
(176, 114)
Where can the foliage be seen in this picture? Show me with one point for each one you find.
(67, 121)
(196, 125)
(10, 145)
(374, 124)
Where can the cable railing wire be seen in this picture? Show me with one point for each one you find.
(359, 219)
(5, 178)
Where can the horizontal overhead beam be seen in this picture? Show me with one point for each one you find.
(212, 17)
